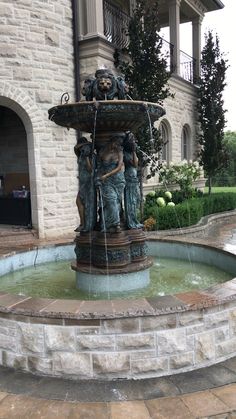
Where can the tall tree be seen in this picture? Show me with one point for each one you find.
(213, 155)
(144, 67)
(227, 175)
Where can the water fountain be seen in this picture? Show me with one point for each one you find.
(110, 247)
(115, 339)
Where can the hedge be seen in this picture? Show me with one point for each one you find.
(190, 211)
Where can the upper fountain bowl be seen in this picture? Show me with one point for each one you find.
(108, 115)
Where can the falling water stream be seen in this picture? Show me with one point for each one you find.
(150, 126)
(105, 243)
(102, 208)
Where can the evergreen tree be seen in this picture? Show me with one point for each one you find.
(145, 70)
(213, 155)
(227, 175)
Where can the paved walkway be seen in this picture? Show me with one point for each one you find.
(207, 393)
(219, 403)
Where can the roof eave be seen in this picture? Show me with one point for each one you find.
(213, 4)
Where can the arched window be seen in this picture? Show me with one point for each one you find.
(164, 154)
(185, 143)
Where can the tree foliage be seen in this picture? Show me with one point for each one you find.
(213, 154)
(226, 176)
(144, 67)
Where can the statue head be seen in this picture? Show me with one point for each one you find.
(129, 141)
(105, 80)
(116, 141)
(105, 85)
(88, 87)
(83, 147)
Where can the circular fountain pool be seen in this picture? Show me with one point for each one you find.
(134, 338)
(46, 273)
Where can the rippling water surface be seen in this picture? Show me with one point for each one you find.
(57, 280)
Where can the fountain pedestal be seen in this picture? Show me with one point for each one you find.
(111, 263)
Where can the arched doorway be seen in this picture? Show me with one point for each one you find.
(15, 205)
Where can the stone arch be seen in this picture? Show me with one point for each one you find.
(21, 103)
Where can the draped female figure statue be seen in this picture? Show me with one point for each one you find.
(86, 197)
(132, 189)
(111, 183)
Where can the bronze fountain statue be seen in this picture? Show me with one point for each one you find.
(110, 247)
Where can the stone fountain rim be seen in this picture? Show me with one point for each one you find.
(80, 310)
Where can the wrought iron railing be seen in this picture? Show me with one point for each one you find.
(187, 67)
(167, 52)
(116, 24)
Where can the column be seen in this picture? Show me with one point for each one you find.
(196, 44)
(94, 14)
(174, 22)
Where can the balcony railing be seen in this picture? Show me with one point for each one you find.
(167, 51)
(187, 67)
(116, 24)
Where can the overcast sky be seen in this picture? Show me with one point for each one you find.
(222, 22)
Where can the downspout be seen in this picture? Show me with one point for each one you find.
(75, 23)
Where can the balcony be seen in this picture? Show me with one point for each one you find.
(115, 29)
(116, 23)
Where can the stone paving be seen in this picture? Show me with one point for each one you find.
(219, 403)
(201, 394)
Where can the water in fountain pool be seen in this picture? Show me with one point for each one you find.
(56, 280)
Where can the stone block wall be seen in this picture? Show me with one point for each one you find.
(181, 110)
(36, 68)
(135, 347)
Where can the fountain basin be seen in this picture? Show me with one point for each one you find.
(111, 115)
(149, 337)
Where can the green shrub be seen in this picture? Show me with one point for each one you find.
(179, 196)
(218, 202)
(182, 215)
(188, 212)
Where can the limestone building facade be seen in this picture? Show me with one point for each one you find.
(48, 47)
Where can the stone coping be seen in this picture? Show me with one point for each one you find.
(197, 229)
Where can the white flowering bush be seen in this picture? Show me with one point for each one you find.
(161, 202)
(183, 175)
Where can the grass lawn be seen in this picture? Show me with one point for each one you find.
(217, 189)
